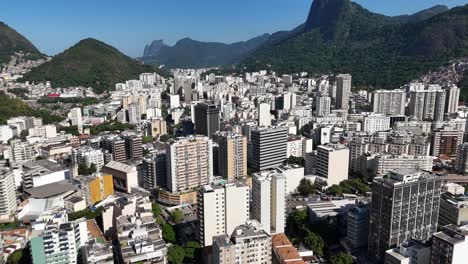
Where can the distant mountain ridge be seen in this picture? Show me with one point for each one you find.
(90, 63)
(380, 51)
(11, 41)
(189, 53)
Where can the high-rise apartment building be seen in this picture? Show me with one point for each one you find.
(389, 102)
(268, 201)
(133, 114)
(461, 162)
(452, 99)
(76, 118)
(249, 243)
(154, 171)
(221, 208)
(206, 119)
(269, 147)
(189, 163)
(444, 141)
(333, 163)
(264, 115)
(343, 90)
(8, 204)
(375, 123)
(427, 104)
(232, 155)
(405, 205)
(115, 146)
(21, 151)
(133, 147)
(322, 105)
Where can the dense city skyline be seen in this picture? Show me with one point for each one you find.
(57, 25)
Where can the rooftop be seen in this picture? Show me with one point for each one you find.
(51, 190)
(121, 166)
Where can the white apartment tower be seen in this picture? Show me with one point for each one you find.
(8, 204)
(323, 105)
(268, 201)
(264, 116)
(333, 163)
(389, 102)
(221, 209)
(76, 118)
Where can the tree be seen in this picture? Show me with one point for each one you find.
(306, 187)
(20, 256)
(177, 216)
(84, 170)
(24, 133)
(192, 250)
(175, 254)
(147, 139)
(342, 258)
(168, 233)
(156, 209)
(334, 190)
(295, 160)
(314, 242)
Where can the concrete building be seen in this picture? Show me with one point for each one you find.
(387, 162)
(133, 114)
(138, 234)
(410, 252)
(264, 115)
(452, 99)
(328, 156)
(461, 162)
(389, 102)
(343, 90)
(444, 141)
(322, 105)
(42, 172)
(56, 240)
(21, 151)
(269, 147)
(155, 171)
(88, 156)
(249, 243)
(269, 201)
(48, 131)
(453, 209)
(124, 175)
(396, 216)
(427, 104)
(189, 163)
(450, 245)
(294, 146)
(375, 123)
(206, 119)
(284, 251)
(8, 203)
(96, 187)
(158, 127)
(115, 146)
(232, 155)
(357, 228)
(76, 118)
(133, 147)
(221, 208)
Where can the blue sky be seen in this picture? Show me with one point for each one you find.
(54, 25)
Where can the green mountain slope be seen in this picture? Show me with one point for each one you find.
(89, 63)
(11, 42)
(189, 53)
(380, 51)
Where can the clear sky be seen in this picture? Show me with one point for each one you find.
(54, 25)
